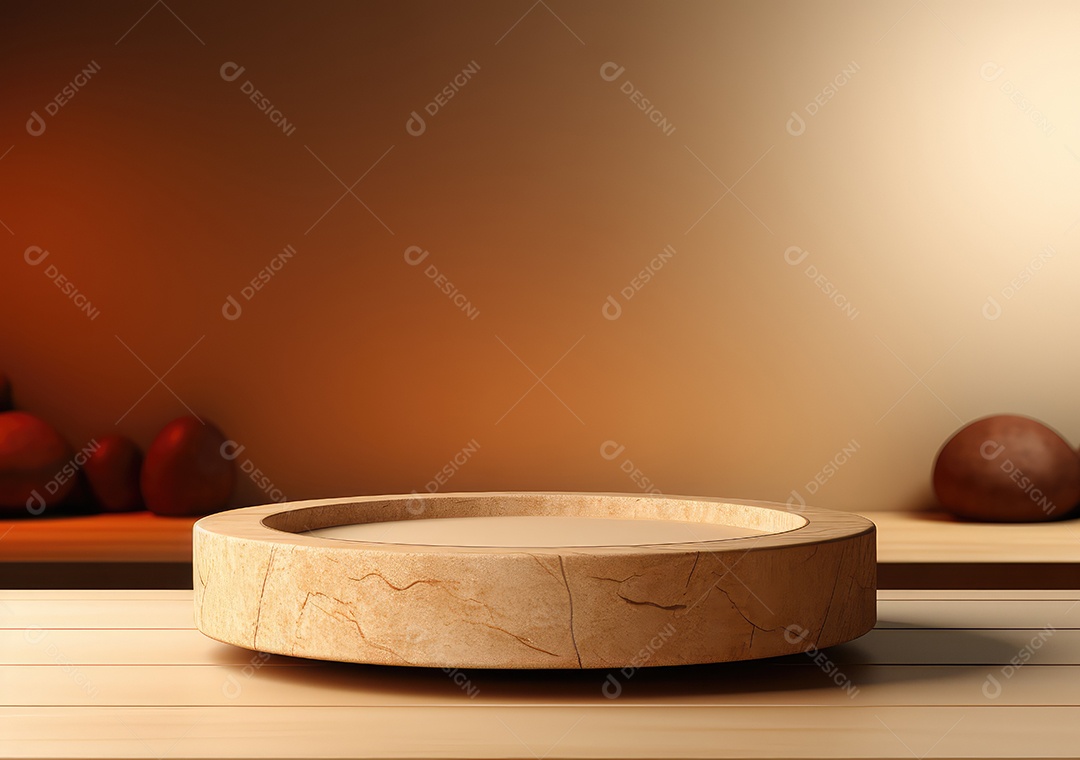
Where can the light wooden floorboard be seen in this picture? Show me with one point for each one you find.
(342, 685)
(886, 733)
(96, 613)
(982, 613)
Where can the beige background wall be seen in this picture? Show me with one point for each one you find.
(924, 181)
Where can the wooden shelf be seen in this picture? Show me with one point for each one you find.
(134, 550)
(926, 550)
(131, 537)
(915, 550)
(934, 537)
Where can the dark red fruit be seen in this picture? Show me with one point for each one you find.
(112, 471)
(184, 473)
(36, 470)
(1007, 468)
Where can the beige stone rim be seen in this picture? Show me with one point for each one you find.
(810, 581)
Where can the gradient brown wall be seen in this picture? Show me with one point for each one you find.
(944, 163)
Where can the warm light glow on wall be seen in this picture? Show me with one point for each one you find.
(713, 248)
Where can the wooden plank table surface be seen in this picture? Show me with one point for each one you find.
(958, 674)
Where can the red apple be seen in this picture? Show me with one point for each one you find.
(112, 472)
(184, 473)
(36, 470)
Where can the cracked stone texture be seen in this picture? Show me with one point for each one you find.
(268, 589)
